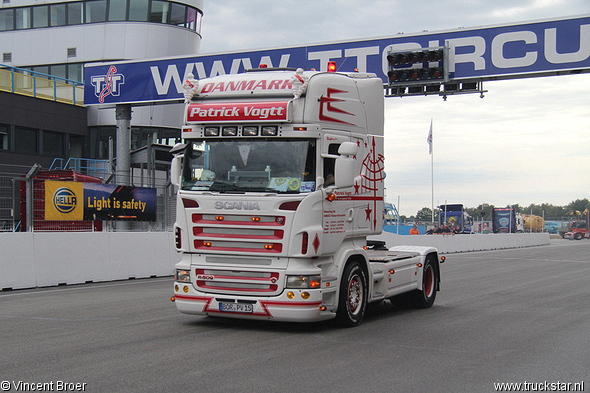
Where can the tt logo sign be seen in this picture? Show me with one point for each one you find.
(108, 84)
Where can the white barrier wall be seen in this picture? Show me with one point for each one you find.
(463, 243)
(29, 260)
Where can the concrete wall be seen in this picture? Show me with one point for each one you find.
(29, 260)
(463, 243)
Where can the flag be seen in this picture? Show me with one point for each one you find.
(429, 139)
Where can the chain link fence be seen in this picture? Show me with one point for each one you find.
(10, 178)
(15, 205)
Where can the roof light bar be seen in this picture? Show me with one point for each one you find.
(269, 131)
(250, 131)
(211, 131)
(230, 131)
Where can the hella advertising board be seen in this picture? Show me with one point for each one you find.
(526, 49)
(74, 201)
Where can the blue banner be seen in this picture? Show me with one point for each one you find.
(112, 202)
(529, 49)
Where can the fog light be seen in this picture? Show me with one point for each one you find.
(176, 288)
(305, 295)
(185, 289)
(290, 295)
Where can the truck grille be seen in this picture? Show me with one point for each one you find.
(238, 233)
(238, 282)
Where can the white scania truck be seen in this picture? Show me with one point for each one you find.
(280, 181)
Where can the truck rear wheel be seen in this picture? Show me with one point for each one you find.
(352, 301)
(424, 297)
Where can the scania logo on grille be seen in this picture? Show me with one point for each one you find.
(235, 205)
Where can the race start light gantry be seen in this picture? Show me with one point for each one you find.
(423, 65)
(425, 72)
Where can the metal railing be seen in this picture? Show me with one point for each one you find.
(39, 85)
(86, 166)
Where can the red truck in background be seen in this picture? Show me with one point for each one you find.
(579, 232)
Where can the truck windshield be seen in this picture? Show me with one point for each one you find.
(250, 165)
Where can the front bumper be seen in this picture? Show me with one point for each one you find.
(276, 308)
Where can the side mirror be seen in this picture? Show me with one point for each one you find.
(175, 170)
(344, 168)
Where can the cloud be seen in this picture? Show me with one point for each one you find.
(526, 142)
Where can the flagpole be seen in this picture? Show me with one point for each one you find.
(430, 140)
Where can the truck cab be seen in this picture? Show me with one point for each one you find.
(280, 180)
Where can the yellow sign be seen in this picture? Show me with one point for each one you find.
(64, 201)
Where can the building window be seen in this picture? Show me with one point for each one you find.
(75, 16)
(160, 11)
(99, 142)
(191, 18)
(40, 16)
(25, 140)
(53, 144)
(58, 70)
(138, 10)
(7, 19)
(41, 70)
(117, 10)
(57, 15)
(75, 72)
(167, 136)
(177, 14)
(7, 57)
(96, 11)
(4, 137)
(23, 18)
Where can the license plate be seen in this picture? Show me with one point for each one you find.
(236, 307)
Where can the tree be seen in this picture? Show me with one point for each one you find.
(424, 214)
(579, 205)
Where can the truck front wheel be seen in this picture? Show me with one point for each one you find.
(352, 301)
(578, 236)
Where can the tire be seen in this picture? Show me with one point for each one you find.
(352, 300)
(425, 297)
(578, 236)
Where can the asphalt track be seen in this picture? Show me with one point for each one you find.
(509, 316)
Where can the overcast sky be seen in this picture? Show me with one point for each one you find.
(527, 141)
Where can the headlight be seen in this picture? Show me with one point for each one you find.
(304, 282)
(182, 275)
